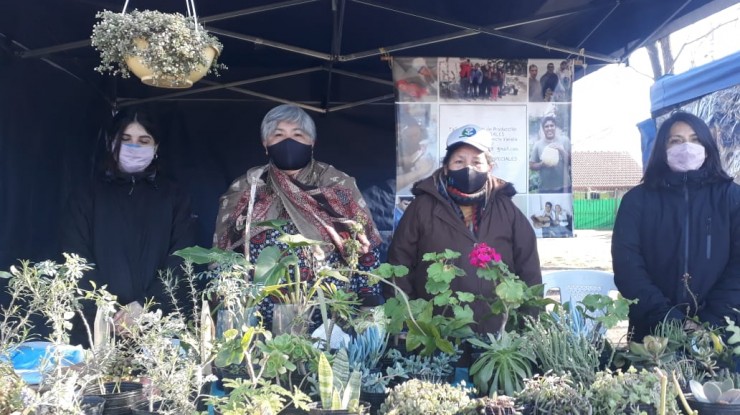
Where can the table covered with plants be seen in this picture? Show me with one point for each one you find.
(407, 356)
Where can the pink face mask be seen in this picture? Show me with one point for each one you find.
(134, 158)
(685, 157)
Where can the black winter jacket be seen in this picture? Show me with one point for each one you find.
(689, 225)
(128, 226)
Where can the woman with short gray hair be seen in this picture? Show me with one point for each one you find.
(315, 199)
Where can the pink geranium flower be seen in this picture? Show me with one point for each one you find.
(482, 255)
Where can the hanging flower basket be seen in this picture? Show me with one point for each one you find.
(165, 50)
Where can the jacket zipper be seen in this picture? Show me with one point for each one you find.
(686, 276)
(133, 183)
(709, 237)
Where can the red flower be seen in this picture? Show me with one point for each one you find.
(482, 254)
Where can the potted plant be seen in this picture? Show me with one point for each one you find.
(339, 387)
(416, 396)
(255, 392)
(632, 392)
(437, 323)
(492, 405)
(438, 368)
(166, 50)
(550, 394)
(714, 397)
(503, 364)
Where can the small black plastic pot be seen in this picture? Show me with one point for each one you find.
(375, 399)
(93, 405)
(119, 397)
(712, 408)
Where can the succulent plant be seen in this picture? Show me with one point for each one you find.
(419, 397)
(550, 394)
(495, 405)
(715, 392)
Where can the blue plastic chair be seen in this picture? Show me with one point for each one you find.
(574, 284)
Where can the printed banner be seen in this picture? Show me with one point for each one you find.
(524, 104)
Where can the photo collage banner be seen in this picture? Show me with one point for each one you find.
(524, 104)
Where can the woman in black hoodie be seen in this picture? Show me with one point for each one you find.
(676, 241)
(128, 222)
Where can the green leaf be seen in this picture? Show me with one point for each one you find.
(510, 291)
(297, 241)
(465, 297)
(268, 270)
(5, 274)
(273, 223)
(199, 255)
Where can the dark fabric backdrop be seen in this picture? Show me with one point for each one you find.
(50, 141)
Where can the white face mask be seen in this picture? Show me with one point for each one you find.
(134, 158)
(685, 157)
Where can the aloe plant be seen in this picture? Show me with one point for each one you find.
(338, 387)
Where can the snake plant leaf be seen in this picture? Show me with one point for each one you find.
(326, 381)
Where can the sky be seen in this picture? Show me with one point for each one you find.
(608, 103)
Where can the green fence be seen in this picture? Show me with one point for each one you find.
(595, 213)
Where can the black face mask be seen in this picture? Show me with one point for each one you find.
(289, 154)
(467, 180)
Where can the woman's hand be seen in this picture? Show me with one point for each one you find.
(364, 243)
(124, 318)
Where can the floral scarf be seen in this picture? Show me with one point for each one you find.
(321, 201)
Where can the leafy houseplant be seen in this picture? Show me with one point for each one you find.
(175, 49)
(436, 323)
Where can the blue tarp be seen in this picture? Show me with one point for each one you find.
(671, 90)
(675, 91)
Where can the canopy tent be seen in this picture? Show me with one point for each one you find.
(711, 91)
(330, 56)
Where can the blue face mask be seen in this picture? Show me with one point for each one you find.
(289, 154)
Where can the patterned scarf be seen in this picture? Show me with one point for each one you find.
(321, 201)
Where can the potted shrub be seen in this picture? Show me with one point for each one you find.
(166, 50)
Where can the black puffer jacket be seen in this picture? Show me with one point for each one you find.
(128, 226)
(690, 224)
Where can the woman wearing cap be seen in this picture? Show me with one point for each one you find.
(459, 205)
(317, 201)
(676, 241)
(128, 222)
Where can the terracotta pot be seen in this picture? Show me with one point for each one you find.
(148, 77)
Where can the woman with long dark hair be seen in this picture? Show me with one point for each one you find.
(676, 241)
(128, 222)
